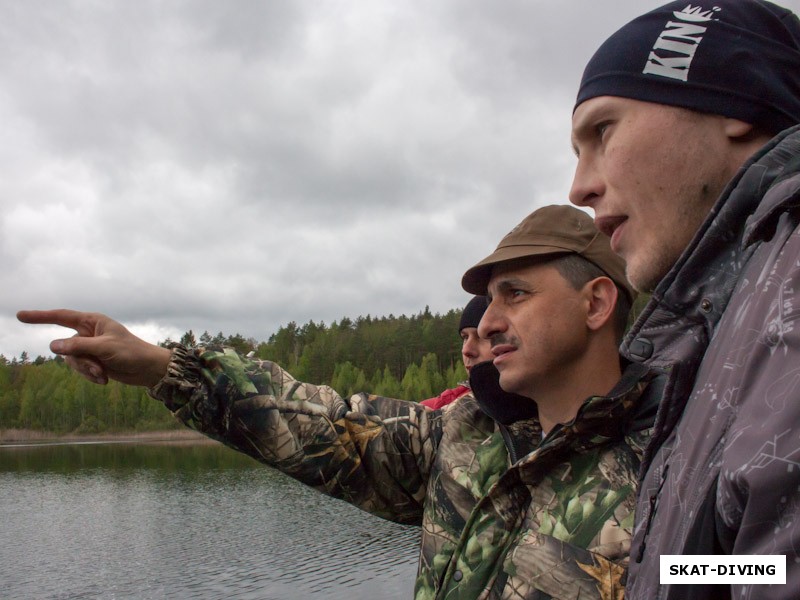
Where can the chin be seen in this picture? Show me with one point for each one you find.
(647, 272)
(509, 385)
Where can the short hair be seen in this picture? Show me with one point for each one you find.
(578, 272)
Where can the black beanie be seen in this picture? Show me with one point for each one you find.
(734, 58)
(473, 312)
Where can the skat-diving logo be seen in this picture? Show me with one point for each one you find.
(674, 49)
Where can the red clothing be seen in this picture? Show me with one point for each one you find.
(446, 397)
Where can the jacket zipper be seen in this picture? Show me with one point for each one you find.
(512, 450)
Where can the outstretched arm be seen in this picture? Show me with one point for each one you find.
(374, 452)
(102, 348)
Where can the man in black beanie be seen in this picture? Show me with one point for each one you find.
(688, 151)
(474, 350)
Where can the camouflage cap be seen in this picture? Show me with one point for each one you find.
(552, 231)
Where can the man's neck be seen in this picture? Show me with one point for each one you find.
(560, 404)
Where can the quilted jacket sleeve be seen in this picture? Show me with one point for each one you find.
(373, 452)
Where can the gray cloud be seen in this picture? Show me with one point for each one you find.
(236, 166)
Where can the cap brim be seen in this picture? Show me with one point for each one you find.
(476, 279)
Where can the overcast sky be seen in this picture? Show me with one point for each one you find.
(234, 166)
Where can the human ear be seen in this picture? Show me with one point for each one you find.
(736, 129)
(602, 296)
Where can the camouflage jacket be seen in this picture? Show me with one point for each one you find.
(504, 513)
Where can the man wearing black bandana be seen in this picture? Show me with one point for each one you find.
(686, 131)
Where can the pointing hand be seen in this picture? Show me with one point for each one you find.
(102, 348)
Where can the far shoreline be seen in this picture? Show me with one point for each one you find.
(167, 436)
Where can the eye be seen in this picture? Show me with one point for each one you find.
(602, 128)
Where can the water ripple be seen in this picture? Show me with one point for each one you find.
(135, 530)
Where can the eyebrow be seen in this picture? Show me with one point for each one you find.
(580, 131)
(511, 283)
(595, 114)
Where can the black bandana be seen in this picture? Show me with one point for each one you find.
(473, 312)
(734, 58)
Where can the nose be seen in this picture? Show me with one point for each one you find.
(469, 348)
(587, 186)
(492, 321)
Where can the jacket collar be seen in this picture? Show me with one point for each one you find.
(780, 187)
(609, 416)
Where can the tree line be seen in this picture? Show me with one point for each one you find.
(403, 357)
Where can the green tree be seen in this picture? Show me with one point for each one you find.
(388, 385)
(239, 343)
(348, 379)
(403, 357)
(432, 377)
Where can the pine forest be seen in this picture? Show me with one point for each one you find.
(403, 357)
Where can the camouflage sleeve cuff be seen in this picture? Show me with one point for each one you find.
(183, 382)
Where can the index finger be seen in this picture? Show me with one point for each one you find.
(82, 322)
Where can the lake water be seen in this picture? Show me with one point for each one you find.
(185, 521)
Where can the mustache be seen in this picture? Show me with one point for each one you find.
(502, 339)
